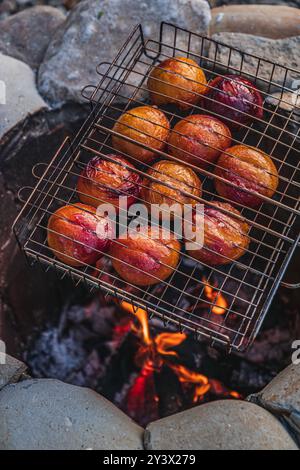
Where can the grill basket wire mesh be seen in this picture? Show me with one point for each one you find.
(248, 284)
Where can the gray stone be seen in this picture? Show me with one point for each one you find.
(286, 113)
(281, 51)
(291, 3)
(48, 414)
(282, 397)
(19, 97)
(270, 21)
(11, 369)
(288, 102)
(27, 34)
(94, 32)
(219, 425)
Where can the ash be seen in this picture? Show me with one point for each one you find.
(77, 349)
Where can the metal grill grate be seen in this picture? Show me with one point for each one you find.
(248, 284)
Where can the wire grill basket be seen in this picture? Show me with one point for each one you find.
(248, 284)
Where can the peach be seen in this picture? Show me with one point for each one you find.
(246, 169)
(146, 125)
(145, 257)
(77, 236)
(177, 80)
(180, 179)
(104, 181)
(225, 237)
(235, 99)
(199, 140)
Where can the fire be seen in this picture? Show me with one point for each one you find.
(159, 351)
(165, 341)
(200, 381)
(143, 319)
(218, 300)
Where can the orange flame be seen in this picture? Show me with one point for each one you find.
(200, 381)
(143, 319)
(218, 300)
(165, 341)
(161, 347)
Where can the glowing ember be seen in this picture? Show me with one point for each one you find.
(218, 300)
(158, 352)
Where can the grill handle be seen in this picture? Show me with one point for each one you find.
(291, 285)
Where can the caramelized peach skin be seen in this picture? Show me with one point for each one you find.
(142, 260)
(225, 237)
(251, 170)
(180, 180)
(104, 181)
(199, 140)
(234, 99)
(177, 80)
(146, 125)
(77, 236)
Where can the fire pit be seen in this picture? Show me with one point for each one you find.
(163, 349)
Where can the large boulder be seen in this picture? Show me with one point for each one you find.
(47, 414)
(94, 32)
(19, 97)
(282, 51)
(11, 369)
(27, 34)
(261, 20)
(219, 425)
(282, 397)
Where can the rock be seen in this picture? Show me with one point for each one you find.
(11, 369)
(7, 7)
(49, 414)
(286, 113)
(260, 20)
(291, 3)
(282, 397)
(288, 101)
(27, 34)
(94, 32)
(282, 51)
(19, 97)
(219, 425)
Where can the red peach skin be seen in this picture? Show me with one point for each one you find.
(178, 80)
(225, 237)
(234, 99)
(199, 140)
(146, 125)
(178, 177)
(105, 180)
(77, 236)
(143, 260)
(247, 168)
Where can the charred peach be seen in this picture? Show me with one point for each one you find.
(177, 80)
(77, 236)
(146, 257)
(249, 172)
(144, 125)
(199, 140)
(105, 180)
(225, 236)
(181, 184)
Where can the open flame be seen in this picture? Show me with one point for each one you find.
(159, 351)
(216, 298)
